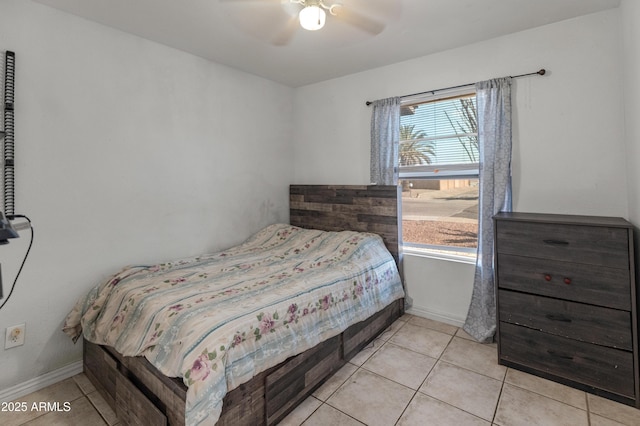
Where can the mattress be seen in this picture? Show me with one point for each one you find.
(217, 320)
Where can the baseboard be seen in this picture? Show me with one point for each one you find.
(40, 382)
(436, 316)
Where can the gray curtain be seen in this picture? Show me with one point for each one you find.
(494, 137)
(385, 134)
(385, 137)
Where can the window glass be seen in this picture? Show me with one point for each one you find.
(440, 212)
(439, 173)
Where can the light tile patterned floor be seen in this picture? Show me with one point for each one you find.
(419, 372)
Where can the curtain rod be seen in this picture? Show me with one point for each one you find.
(541, 72)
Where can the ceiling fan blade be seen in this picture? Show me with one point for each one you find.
(284, 37)
(359, 21)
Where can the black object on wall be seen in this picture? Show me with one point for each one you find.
(7, 137)
(8, 173)
(8, 150)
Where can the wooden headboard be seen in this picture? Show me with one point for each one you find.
(363, 208)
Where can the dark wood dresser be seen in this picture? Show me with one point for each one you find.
(566, 301)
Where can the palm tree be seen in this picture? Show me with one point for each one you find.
(469, 127)
(413, 150)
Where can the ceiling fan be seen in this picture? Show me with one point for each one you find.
(365, 15)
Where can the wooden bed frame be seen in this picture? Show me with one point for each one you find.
(141, 395)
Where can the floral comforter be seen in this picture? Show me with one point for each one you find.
(217, 320)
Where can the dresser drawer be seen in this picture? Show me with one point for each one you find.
(597, 285)
(587, 323)
(604, 368)
(595, 245)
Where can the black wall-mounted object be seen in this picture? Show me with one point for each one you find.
(7, 137)
(8, 173)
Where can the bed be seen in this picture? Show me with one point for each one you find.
(270, 350)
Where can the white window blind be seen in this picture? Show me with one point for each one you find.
(438, 137)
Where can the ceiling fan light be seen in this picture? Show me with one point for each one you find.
(312, 18)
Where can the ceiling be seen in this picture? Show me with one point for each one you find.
(239, 33)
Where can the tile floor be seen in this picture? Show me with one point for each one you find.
(419, 372)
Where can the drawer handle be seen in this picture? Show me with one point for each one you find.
(560, 318)
(547, 277)
(559, 355)
(556, 242)
(567, 280)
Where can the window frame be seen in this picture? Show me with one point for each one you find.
(439, 172)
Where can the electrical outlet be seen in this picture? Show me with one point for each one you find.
(14, 336)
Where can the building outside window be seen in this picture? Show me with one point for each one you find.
(439, 174)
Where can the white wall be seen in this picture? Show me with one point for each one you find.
(568, 154)
(440, 289)
(630, 24)
(127, 152)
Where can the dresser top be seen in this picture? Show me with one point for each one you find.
(564, 219)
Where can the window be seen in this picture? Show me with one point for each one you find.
(439, 173)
